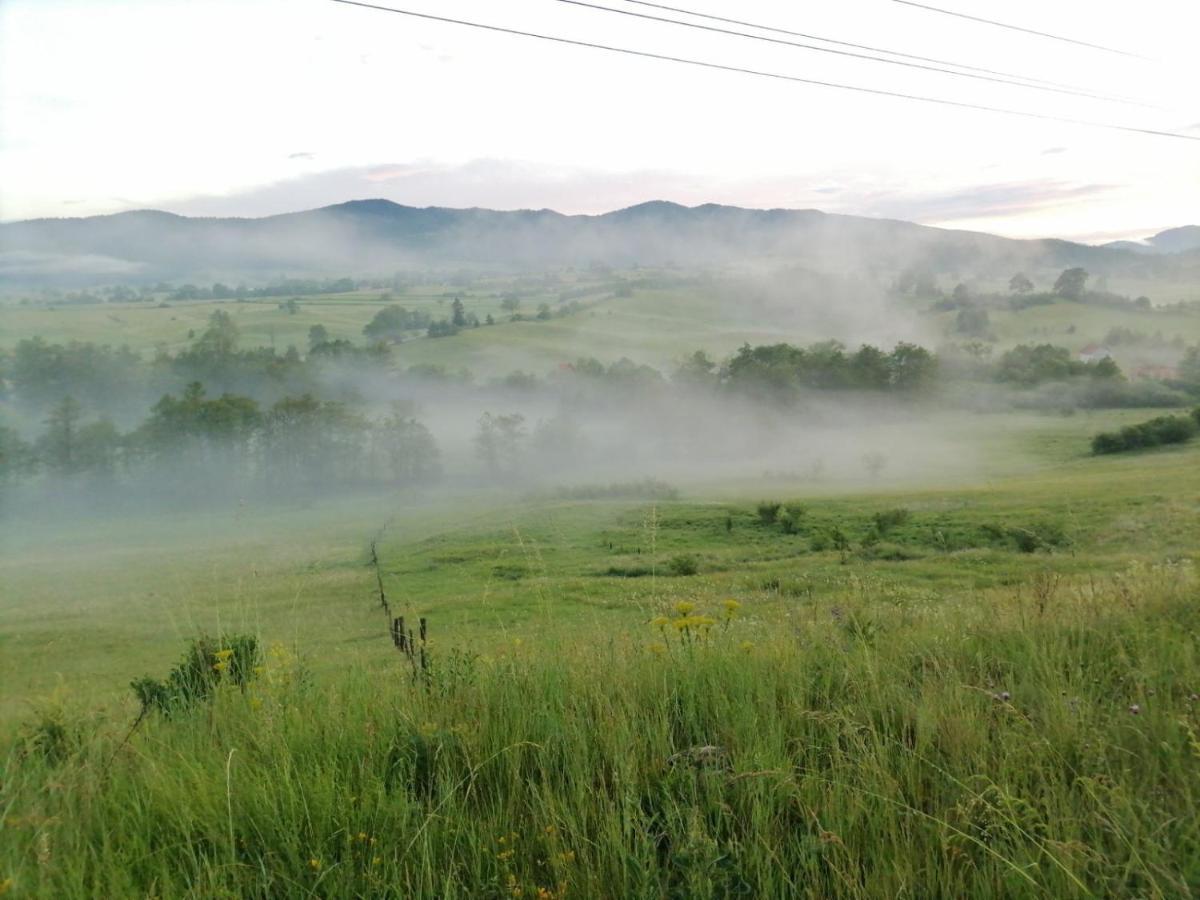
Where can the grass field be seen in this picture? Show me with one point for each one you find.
(596, 724)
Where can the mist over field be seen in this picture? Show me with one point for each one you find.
(556, 450)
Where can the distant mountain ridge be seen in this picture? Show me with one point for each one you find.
(379, 236)
(1184, 239)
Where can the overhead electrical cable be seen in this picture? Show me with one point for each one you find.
(849, 53)
(645, 54)
(1045, 34)
(817, 37)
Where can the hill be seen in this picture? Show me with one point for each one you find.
(378, 236)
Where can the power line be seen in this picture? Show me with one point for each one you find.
(815, 37)
(848, 53)
(774, 75)
(1045, 34)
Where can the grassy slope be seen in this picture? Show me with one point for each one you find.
(98, 606)
(654, 326)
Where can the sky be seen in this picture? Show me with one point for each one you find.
(258, 107)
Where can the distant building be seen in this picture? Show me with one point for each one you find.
(1094, 353)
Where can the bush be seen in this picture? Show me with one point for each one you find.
(1153, 433)
(768, 512)
(791, 516)
(208, 661)
(683, 565)
(1040, 536)
(628, 571)
(889, 519)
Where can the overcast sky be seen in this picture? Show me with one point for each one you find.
(253, 107)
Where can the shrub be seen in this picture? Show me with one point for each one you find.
(628, 571)
(683, 565)
(207, 662)
(889, 519)
(791, 516)
(1039, 536)
(768, 512)
(1153, 433)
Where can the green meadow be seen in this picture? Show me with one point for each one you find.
(977, 689)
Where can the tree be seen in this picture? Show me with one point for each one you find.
(317, 335)
(409, 450)
(458, 316)
(973, 322)
(510, 303)
(1020, 284)
(1071, 283)
(697, 369)
(543, 312)
(393, 321)
(59, 446)
(913, 368)
(498, 440)
(16, 456)
(1189, 367)
(221, 337)
(870, 368)
(961, 294)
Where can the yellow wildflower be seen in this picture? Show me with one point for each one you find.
(747, 646)
(731, 607)
(6, 885)
(659, 621)
(685, 607)
(314, 864)
(224, 654)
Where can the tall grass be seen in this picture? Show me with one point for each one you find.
(1043, 745)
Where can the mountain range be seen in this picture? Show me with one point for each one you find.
(378, 237)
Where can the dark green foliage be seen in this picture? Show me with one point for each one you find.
(1038, 536)
(768, 511)
(683, 565)
(628, 571)
(783, 370)
(889, 519)
(791, 517)
(207, 663)
(1153, 433)
(49, 736)
(1071, 283)
(394, 321)
(1028, 365)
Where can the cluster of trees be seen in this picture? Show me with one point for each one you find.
(1071, 285)
(393, 323)
(1029, 365)
(1154, 433)
(296, 442)
(784, 370)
